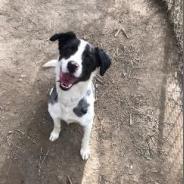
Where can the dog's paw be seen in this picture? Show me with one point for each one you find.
(85, 153)
(54, 136)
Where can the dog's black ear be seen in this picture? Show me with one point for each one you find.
(103, 60)
(63, 38)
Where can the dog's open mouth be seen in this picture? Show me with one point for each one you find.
(66, 80)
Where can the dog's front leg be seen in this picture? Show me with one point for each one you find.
(85, 150)
(56, 130)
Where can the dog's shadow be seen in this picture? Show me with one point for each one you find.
(34, 159)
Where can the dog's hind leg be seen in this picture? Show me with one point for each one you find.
(85, 150)
(56, 130)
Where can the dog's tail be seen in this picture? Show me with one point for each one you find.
(51, 63)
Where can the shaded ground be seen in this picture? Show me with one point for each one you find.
(175, 11)
(130, 102)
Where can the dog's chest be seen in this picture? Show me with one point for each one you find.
(71, 109)
(76, 111)
(67, 113)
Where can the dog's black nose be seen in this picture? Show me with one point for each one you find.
(72, 67)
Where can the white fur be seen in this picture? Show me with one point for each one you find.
(67, 100)
(51, 63)
(76, 58)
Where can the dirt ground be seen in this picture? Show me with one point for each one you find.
(126, 141)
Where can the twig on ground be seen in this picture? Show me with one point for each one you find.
(117, 51)
(99, 79)
(117, 32)
(45, 156)
(41, 161)
(124, 32)
(98, 118)
(149, 147)
(69, 181)
(39, 164)
(23, 133)
(130, 120)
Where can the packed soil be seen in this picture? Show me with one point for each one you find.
(126, 144)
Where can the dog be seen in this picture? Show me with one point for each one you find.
(73, 96)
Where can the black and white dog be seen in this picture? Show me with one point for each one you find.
(72, 97)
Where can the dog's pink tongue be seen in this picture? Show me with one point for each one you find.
(66, 78)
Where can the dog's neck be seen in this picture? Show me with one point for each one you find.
(76, 93)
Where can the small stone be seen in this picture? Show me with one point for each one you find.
(10, 132)
(22, 76)
(60, 179)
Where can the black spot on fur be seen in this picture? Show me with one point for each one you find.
(81, 108)
(53, 97)
(93, 58)
(63, 37)
(89, 63)
(68, 43)
(88, 92)
(103, 60)
(69, 48)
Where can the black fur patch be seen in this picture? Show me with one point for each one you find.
(69, 48)
(103, 59)
(88, 92)
(81, 108)
(89, 63)
(68, 43)
(53, 97)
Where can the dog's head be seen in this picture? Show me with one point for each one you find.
(78, 60)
